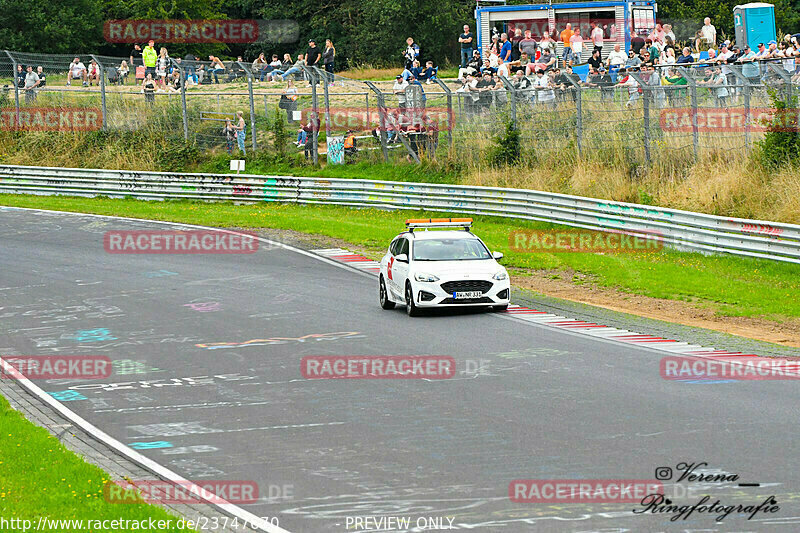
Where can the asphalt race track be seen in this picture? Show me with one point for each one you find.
(191, 392)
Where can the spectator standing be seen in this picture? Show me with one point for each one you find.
(411, 53)
(606, 84)
(576, 42)
(241, 131)
(725, 57)
(136, 53)
(313, 54)
(566, 38)
(150, 58)
(547, 44)
(515, 51)
(597, 37)
(162, 65)
(505, 49)
(668, 32)
(149, 89)
(637, 43)
(229, 133)
(750, 68)
(528, 45)
(77, 70)
(328, 56)
(708, 35)
(466, 46)
(21, 76)
(31, 82)
(627, 81)
(42, 76)
(399, 88)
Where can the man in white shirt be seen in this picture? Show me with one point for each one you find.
(399, 88)
(544, 88)
(722, 59)
(708, 33)
(76, 70)
(616, 58)
(597, 37)
(576, 43)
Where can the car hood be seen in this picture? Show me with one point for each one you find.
(478, 268)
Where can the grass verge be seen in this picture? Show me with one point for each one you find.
(39, 477)
(728, 285)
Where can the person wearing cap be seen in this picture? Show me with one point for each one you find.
(313, 53)
(399, 88)
(750, 68)
(606, 84)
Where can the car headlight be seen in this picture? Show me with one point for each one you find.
(425, 277)
(500, 275)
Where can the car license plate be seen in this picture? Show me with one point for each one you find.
(467, 295)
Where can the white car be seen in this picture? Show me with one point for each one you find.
(447, 267)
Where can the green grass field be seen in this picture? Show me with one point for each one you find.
(39, 477)
(728, 285)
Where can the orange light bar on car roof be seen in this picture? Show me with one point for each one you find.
(436, 220)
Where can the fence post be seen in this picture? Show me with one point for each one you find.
(312, 78)
(323, 75)
(579, 111)
(736, 69)
(695, 131)
(510, 87)
(646, 94)
(102, 88)
(184, 111)
(16, 83)
(382, 118)
(246, 69)
(450, 120)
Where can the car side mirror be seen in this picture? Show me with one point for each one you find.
(401, 258)
(497, 255)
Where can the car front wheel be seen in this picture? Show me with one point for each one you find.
(386, 303)
(411, 307)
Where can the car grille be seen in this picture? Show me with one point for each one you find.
(484, 300)
(466, 285)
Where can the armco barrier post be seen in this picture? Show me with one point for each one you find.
(382, 118)
(102, 88)
(15, 81)
(450, 120)
(249, 74)
(695, 130)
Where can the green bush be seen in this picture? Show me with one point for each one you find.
(781, 144)
(507, 147)
(176, 155)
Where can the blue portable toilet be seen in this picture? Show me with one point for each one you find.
(754, 23)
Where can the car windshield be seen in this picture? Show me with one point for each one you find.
(450, 250)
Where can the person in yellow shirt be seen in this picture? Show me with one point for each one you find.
(150, 58)
(566, 35)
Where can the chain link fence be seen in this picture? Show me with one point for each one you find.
(673, 112)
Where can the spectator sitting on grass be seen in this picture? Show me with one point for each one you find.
(174, 82)
(77, 70)
(429, 74)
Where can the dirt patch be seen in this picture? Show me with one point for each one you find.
(554, 284)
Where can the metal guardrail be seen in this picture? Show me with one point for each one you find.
(681, 229)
